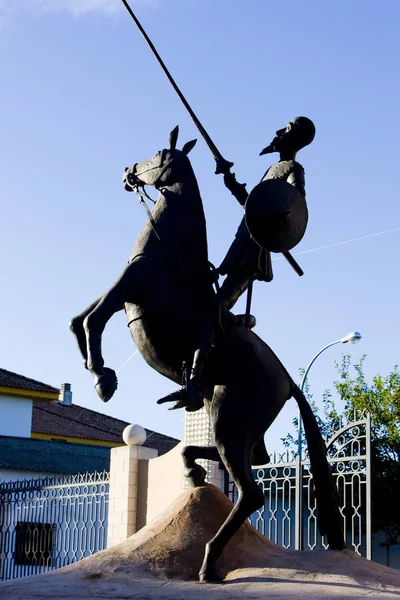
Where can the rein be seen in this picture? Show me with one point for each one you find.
(150, 216)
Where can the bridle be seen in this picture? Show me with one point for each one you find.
(138, 187)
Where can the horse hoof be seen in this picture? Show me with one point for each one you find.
(196, 475)
(210, 575)
(106, 384)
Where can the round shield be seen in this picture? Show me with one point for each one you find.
(276, 215)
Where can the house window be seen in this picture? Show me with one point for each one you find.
(34, 543)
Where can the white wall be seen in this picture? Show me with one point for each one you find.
(165, 482)
(15, 416)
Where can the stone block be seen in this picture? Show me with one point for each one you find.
(129, 519)
(121, 504)
(117, 491)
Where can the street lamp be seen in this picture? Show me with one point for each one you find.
(352, 337)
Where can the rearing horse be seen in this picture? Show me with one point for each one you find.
(164, 286)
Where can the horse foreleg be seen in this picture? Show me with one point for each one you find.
(94, 323)
(195, 473)
(76, 326)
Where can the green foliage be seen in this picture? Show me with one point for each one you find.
(381, 399)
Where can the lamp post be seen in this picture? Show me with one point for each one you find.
(352, 337)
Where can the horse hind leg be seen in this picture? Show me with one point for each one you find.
(194, 472)
(260, 455)
(237, 459)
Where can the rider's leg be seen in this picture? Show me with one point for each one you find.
(181, 396)
(233, 287)
(191, 398)
(205, 345)
(235, 284)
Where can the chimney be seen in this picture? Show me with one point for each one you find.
(65, 396)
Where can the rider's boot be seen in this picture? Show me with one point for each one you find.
(188, 396)
(180, 397)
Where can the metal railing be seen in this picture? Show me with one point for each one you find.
(48, 523)
(349, 454)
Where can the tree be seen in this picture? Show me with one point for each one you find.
(381, 399)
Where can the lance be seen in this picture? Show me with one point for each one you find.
(223, 166)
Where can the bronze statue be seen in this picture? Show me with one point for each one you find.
(165, 286)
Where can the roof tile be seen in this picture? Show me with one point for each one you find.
(54, 418)
(14, 380)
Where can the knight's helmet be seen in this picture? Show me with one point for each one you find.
(304, 132)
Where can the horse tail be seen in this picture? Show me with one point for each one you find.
(330, 520)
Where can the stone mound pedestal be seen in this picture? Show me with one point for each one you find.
(163, 559)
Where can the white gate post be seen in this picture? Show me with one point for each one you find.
(368, 506)
(124, 491)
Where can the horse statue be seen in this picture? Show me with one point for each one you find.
(165, 285)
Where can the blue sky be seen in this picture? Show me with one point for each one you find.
(82, 97)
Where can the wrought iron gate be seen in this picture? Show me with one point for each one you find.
(289, 517)
(49, 523)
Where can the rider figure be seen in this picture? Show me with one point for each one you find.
(245, 259)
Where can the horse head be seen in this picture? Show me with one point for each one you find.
(177, 217)
(164, 169)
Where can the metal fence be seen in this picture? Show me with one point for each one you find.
(289, 515)
(48, 523)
